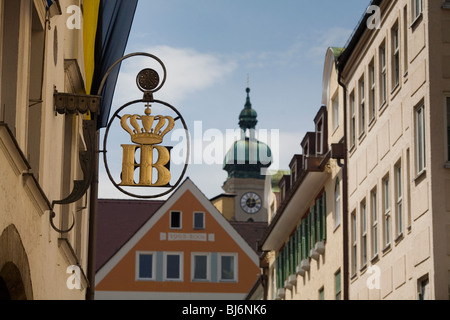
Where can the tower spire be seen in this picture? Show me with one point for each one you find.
(248, 116)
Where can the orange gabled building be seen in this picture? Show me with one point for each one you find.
(184, 250)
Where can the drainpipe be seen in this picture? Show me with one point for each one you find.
(344, 166)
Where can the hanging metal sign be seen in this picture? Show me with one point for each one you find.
(146, 160)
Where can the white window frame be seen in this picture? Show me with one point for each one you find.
(354, 239)
(363, 219)
(320, 134)
(137, 269)
(387, 211)
(395, 33)
(399, 198)
(181, 266)
(337, 203)
(383, 75)
(374, 220)
(235, 266)
(208, 266)
(181, 220)
(203, 219)
(335, 105)
(417, 9)
(405, 41)
(420, 139)
(362, 105)
(352, 120)
(372, 97)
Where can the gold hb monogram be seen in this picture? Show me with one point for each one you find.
(145, 139)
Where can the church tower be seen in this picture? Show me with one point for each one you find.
(244, 163)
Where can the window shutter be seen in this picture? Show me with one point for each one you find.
(300, 243)
(318, 217)
(323, 218)
(294, 252)
(307, 236)
(278, 271)
(286, 264)
(292, 256)
(313, 227)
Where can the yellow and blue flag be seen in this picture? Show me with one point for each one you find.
(107, 25)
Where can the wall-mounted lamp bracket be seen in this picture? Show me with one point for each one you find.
(69, 103)
(87, 163)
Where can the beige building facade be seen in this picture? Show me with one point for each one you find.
(304, 243)
(39, 152)
(396, 79)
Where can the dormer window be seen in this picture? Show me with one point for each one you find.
(294, 173)
(282, 191)
(319, 139)
(305, 154)
(319, 136)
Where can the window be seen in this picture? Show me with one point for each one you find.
(354, 244)
(336, 112)
(312, 226)
(228, 267)
(420, 139)
(383, 82)
(399, 199)
(200, 267)
(337, 203)
(395, 56)
(387, 213)
(362, 107)
(280, 270)
(363, 213)
(448, 129)
(321, 217)
(305, 155)
(294, 174)
(301, 240)
(173, 269)
(199, 220)
(372, 91)
(408, 188)
(35, 93)
(145, 266)
(9, 63)
(417, 8)
(374, 215)
(353, 120)
(423, 288)
(305, 239)
(337, 285)
(175, 220)
(322, 293)
(292, 255)
(405, 39)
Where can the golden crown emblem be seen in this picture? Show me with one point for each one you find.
(147, 135)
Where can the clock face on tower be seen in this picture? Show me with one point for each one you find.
(251, 203)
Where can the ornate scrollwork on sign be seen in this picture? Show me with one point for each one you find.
(146, 162)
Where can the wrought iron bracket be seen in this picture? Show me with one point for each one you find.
(87, 164)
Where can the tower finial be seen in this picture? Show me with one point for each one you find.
(248, 80)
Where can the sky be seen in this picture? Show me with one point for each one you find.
(213, 50)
